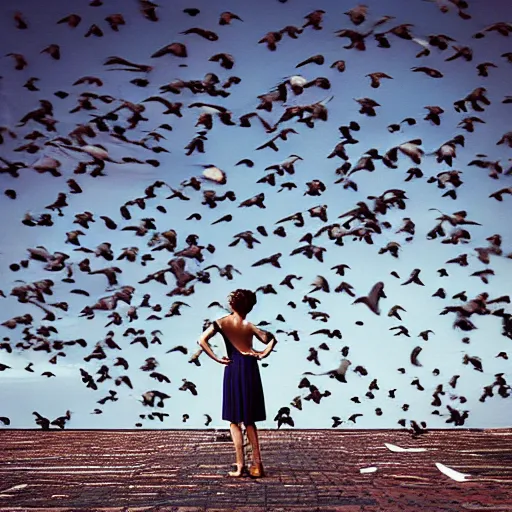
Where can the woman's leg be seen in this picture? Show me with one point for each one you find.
(252, 434)
(236, 434)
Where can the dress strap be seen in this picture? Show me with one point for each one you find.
(218, 328)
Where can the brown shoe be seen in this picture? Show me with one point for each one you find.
(256, 470)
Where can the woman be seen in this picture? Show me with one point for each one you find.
(243, 399)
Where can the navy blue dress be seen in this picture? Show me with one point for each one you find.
(242, 399)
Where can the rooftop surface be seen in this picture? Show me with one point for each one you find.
(307, 470)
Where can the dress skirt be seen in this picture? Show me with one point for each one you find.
(242, 391)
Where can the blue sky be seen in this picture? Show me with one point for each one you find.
(372, 345)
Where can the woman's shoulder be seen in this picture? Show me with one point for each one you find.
(247, 325)
(221, 320)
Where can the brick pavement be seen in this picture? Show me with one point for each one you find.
(307, 470)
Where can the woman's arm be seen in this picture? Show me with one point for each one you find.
(269, 348)
(203, 342)
(263, 336)
(267, 338)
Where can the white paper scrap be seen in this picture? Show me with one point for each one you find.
(454, 475)
(20, 486)
(394, 448)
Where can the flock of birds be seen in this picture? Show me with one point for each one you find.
(38, 131)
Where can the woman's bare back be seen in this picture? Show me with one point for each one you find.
(240, 334)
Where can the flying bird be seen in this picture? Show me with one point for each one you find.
(373, 298)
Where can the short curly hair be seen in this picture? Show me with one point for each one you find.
(242, 301)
